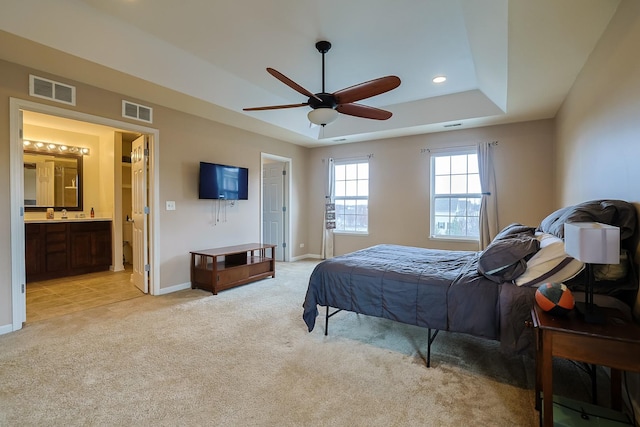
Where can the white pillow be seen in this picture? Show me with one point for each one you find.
(550, 264)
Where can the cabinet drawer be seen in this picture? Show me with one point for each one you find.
(90, 226)
(233, 275)
(56, 228)
(33, 230)
(260, 268)
(53, 238)
(56, 247)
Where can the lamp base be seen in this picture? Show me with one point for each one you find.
(591, 313)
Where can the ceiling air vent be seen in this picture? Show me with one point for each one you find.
(137, 111)
(49, 89)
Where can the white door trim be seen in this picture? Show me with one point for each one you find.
(18, 281)
(286, 198)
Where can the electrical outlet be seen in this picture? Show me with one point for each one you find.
(171, 205)
(302, 245)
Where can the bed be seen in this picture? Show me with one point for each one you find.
(487, 294)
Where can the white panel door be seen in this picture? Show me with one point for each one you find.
(140, 275)
(273, 207)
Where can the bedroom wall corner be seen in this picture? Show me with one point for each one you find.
(597, 126)
(598, 130)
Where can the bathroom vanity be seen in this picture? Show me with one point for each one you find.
(59, 248)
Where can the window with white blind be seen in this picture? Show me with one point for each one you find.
(351, 195)
(455, 194)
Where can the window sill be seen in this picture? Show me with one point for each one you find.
(351, 233)
(454, 239)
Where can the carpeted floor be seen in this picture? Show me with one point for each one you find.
(245, 358)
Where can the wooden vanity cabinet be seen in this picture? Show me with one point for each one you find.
(35, 255)
(56, 248)
(66, 248)
(90, 245)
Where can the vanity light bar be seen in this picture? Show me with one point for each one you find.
(53, 147)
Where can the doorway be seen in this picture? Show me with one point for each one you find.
(17, 108)
(275, 214)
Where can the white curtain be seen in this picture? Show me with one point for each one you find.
(327, 233)
(489, 201)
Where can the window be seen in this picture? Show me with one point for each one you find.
(455, 195)
(351, 196)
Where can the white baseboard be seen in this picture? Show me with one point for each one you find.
(175, 288)
(5, 329)
(313, 256)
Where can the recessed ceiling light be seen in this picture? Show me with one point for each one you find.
(439, 79)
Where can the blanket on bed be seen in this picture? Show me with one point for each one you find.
(487, 294)
(426, 287)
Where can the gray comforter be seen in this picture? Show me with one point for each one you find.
(426, 287)
(458, 291)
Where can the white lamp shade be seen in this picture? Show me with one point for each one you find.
(322, 115)
(592, 242)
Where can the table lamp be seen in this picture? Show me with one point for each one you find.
(592, 243)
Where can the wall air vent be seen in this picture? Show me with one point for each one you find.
(135, 111)
(49, 89)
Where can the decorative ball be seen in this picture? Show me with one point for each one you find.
(555, 298)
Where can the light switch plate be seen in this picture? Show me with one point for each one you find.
(171, 205)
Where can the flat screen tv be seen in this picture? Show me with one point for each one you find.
(223, 182)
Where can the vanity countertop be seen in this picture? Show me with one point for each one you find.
(43, 220)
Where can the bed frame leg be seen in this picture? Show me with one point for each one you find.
(326, 319)
(432, 337)
(326, 323)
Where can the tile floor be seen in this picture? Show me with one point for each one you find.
(56, 297)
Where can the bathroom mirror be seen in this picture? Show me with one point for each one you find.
(52, 180)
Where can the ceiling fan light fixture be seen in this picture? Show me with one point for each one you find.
(325, 106)
(322, 116)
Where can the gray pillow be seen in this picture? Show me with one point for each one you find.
(613, 212)
(506, 258)
(513, 229)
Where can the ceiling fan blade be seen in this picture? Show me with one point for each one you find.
(293, 85)
(275, 107)
(366, 89)
(364, 111)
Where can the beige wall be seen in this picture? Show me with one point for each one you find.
(598, 127)
(184, 141)
(399, 183)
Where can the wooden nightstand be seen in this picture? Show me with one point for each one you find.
(615, 343)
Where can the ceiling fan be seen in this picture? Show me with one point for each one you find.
(326, 106)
